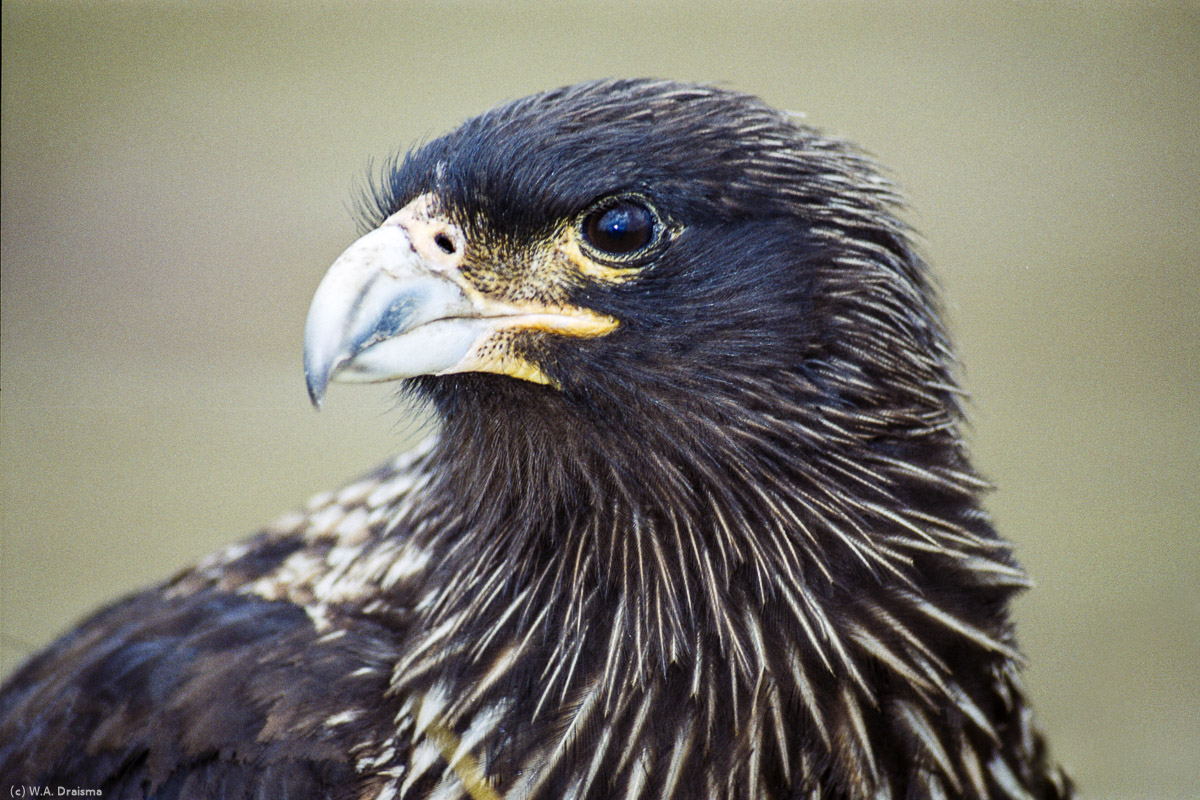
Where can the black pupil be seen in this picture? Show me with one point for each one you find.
(620, 228)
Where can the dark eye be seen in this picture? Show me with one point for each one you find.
(619, 228)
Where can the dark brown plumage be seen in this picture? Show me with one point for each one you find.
(698, 521)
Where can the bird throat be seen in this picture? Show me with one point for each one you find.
(748, 596)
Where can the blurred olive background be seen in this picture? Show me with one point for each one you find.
(177, 177)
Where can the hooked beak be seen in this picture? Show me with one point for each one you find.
(384, 312)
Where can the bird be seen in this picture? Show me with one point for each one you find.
(695, 518)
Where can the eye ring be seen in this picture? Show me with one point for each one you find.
(620, 227)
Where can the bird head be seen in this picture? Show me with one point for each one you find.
(633, 250)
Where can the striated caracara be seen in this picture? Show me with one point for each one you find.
(697, 521)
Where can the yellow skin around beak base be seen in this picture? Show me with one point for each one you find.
(405, 300)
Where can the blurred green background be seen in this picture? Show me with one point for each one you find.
(177, 177)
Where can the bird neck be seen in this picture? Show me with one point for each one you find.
(550, 507)
(834, 594)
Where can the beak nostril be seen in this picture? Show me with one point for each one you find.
(444, 243)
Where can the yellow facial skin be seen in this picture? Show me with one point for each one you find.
(528, 288)
(419, 296)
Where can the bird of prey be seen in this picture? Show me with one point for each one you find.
(697, 520)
